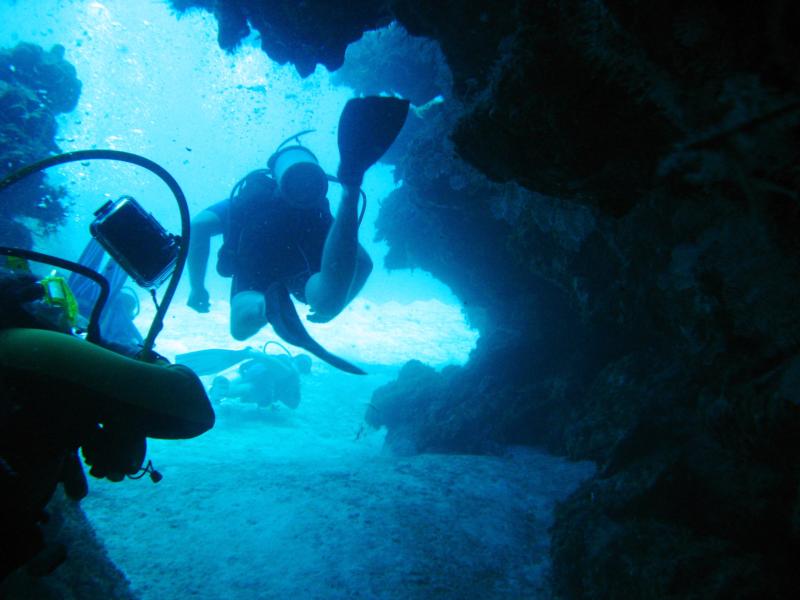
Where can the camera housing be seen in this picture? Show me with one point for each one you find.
(136, 240)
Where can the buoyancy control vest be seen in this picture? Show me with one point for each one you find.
(266, 239)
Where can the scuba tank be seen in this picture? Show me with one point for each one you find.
(293, 172)
(297, 172)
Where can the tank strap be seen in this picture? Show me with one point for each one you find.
(249, 197)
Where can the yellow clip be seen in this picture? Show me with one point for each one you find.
(58, 294)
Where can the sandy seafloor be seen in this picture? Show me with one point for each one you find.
(306, 504)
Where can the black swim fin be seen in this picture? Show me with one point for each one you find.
(367, 128)
(286, 323)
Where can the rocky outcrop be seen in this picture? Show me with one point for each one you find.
(622, 229)
(647, 323)
(35, 86)
(303, 33)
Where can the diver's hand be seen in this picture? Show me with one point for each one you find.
(112, 452)
(198, 300)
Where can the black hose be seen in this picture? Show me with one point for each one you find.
(284, 348)
(161, 173)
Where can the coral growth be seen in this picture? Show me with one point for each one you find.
(35, 86)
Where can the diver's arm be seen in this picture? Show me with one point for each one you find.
(329, 291)
(204, 226)
(167, 402)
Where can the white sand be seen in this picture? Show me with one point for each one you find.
(366, 332)
(304, 504)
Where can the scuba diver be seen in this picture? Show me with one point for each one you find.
(64, 387)
(264, 380)
(279, 237)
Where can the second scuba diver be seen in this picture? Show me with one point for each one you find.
(264, 380)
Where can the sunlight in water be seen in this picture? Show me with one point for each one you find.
(161, 87)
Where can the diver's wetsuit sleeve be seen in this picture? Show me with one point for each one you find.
(167, 402)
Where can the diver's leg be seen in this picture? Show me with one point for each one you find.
(329, 291)
(248, 314)
(363, 269)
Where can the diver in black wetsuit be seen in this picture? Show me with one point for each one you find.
(280, 237)
(278, 232)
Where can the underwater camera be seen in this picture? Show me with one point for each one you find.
(131, 236)
(135, 240)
